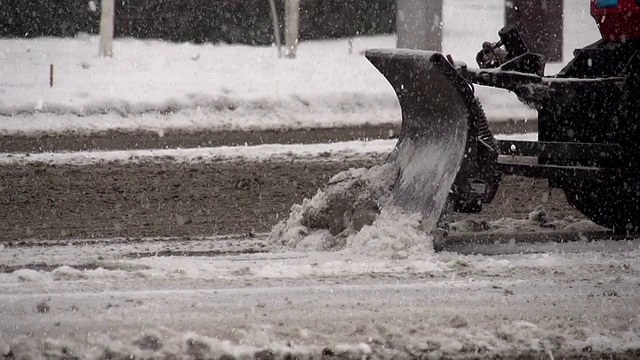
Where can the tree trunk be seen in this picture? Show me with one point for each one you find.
(106, 28)
(292, 20)
(419, 24)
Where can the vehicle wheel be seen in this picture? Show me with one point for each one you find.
(615, 205)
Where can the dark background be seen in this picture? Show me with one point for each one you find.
(540, 24)
(230, 21)
(249, 21)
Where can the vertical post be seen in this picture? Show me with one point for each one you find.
(292, 20)
(540, 23)
(276, 26)
(419, 24)
(50, 75)
(106, 28)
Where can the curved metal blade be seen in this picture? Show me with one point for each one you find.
(435, 101)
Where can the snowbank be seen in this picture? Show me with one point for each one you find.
(272, 152)
(157, 85)
(336, 151)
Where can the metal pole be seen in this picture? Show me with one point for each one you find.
(292, 20)
(419, 24)
(50, 75)
(106, 28)
(276, 26)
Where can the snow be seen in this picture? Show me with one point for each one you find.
(383, 293)
(532, 136)
(271, 152)
(156, 85)
(112, 260)
(354, 213)
(307, 302)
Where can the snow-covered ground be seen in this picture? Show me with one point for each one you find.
(250, 295)
(157, 298)
(274, 152)
(246, 296)
(156, 85)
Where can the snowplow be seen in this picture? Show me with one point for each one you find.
(588, 123)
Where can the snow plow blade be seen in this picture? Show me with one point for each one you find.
(436, 103)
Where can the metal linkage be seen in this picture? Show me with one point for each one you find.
(561, 150)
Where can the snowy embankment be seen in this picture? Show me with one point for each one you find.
(337, 151)
(155, 85)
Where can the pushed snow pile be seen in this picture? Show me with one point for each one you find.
(164, 343)
(350, 214)
(393, 234)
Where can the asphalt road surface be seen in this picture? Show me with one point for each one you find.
(198, 199)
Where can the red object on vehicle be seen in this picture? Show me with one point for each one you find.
(617, 20)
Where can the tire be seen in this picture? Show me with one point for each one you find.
(614, 205)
